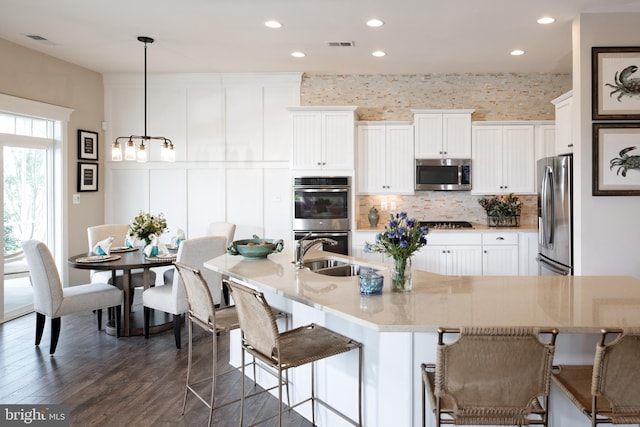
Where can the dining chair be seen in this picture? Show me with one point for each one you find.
(221, 228)
(289, 349)
(119, 232)
(53, 300)
(607, 392)
(171, 297)
(498, 376)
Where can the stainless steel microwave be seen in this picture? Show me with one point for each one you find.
(443, 174)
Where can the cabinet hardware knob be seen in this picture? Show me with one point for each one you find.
(485, 251)
(319, 164)
(570, 145)
(499, 238)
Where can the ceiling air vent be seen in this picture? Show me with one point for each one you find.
(341, 44)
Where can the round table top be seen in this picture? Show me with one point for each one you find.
(127, 261)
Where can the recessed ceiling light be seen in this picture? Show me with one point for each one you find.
(517, 52)
(298, 54)
(378, 53)
(546, 20)
(273, 24)
(375, 23)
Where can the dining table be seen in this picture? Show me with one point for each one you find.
(127, 260)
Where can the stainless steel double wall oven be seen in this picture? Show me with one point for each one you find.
(321, 205)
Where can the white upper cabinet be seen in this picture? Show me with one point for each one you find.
(442, 134)
(323, 138)
(385, 158)
(564, 133)
(503, 159)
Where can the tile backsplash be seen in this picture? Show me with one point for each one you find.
(438, 206)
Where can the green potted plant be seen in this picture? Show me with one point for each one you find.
(502, 211)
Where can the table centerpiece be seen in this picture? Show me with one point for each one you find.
(145, 226)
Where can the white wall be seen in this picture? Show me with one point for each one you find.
(232, 136)
(607, 228)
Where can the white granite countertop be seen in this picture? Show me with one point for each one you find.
(577, 304)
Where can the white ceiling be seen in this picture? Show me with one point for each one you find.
(419, 36)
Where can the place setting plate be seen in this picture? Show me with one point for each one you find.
(161, 257)
(119, 249)
(98, 258)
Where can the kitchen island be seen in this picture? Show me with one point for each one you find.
(398, 330)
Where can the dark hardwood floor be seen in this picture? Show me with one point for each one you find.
(115, 382)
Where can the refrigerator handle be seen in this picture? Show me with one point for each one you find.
(547, 207)
(553, 268)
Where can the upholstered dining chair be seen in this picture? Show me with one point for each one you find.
(221, 228)
(171, 297)
(607, 392)
(497, 376)
(51, 299)
(282, 351)
(119, 232)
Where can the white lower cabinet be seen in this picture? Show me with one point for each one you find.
(500, 254)
(463, 253)
(451, 254)
(455, 260)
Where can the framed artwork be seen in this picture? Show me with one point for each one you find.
(87, 176)
(87, 145)
(616, 159)
(616, 83)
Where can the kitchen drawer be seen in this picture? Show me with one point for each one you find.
(453, 238)
(499, 238)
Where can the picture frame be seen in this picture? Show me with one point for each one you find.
(616, 159)
(87, 145)
(615, 83)
(87, 176)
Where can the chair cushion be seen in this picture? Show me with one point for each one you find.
(92, 296)
(159, 298)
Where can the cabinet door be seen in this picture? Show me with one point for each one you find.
(518, 159)
(456, 136)
(487, 160)
(564, 135)
(400, 160)
(307, 140)
(428, 137)
(464, 260)
(500, 260)
(338, 140)
(371, 159)
(431, 258)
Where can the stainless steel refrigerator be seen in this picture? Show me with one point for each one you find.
(555, 218)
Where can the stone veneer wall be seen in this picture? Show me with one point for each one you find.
(495, 97)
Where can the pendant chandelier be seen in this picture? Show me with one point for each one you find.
(136, 152)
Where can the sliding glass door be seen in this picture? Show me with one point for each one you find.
(27, 208)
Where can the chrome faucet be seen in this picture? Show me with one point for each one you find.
(304, 244)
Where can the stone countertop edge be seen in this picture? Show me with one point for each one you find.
(572, 304)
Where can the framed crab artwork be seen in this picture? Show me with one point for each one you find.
(616, 83)
(616, 159)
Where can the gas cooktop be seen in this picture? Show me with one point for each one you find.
(446, 224)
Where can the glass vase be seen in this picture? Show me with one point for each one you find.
(401, 275)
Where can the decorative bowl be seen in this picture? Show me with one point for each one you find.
(255, 248)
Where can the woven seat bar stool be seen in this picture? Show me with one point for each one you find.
(289, 349)
(497, 376)
(607, 392)
(203, 312)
